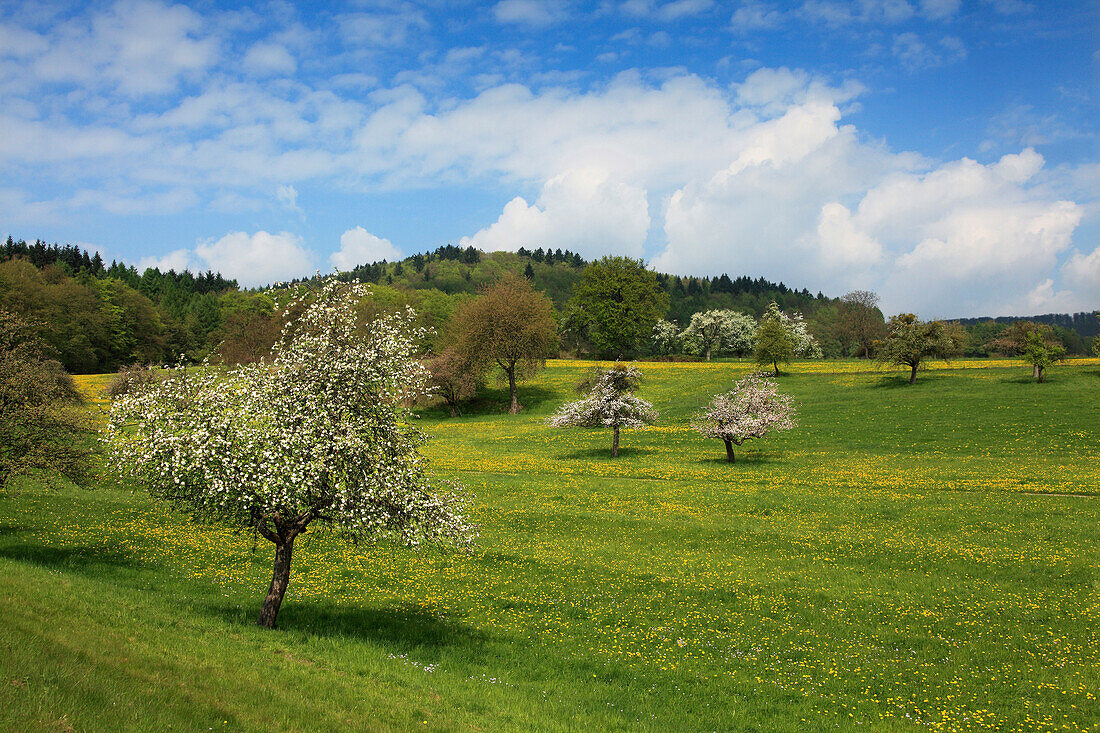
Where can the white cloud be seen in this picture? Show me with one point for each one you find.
(269, 58)
(178, 260)
(535, 13)
(939, 9)
(667, 12)
(288, 197)
(754, 15)
(257, 259)
(914, 54)
(392, 28)
(140, 46)
(360, 247)
(1083, 273)
(581, 210)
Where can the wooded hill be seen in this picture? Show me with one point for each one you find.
(96, 317)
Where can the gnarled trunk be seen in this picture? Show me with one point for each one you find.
(615, 443)
(913, 374)
(280, 579)
(729, 450)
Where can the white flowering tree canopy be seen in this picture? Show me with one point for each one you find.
(610, 404)
(665, 337)
(718, 331)
(805, 345)
(318, 434)
(751, 410)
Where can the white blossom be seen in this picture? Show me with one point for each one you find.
(752, 410)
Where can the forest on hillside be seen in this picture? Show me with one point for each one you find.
(97, 317)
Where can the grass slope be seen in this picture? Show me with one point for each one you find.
(909, 558)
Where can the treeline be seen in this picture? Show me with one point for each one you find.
(94, 317)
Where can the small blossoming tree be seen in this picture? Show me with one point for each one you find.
(609, 404)
(317, 435)
(752, 410)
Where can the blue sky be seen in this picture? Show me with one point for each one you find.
(941, 152)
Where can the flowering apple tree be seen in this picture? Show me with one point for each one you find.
(609, 404)
(752, 410)
(316, 436)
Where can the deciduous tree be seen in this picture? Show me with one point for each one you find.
(774, 342)
(317, 437)
(610, 404)
(719, 331)
(453, 377)
(666, 336)
(909, 341)
(752, 410)
(1035, 343)
(617, 302)
(861, 321)
(509, 325)
(41, 425)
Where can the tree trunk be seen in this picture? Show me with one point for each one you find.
(708, 353)
(280, 578)
(913, 374)
(729, 451)
(1036, 372)
(514, 409)
(775, 364)
(615, 443)
(454, 412)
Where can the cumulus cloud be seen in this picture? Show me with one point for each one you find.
(257, 259)
(140, 46)
(360, 247)
(269, 58)
(582, 210)
(536, 13)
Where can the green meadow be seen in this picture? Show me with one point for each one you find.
(908, 558)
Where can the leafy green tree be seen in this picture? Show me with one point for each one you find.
(317, 437)
(775, 343)
(510, 325)
(610, 404)
(41, 425)
(1035, 343)
(617, 302)
(909, 341)
(1042, 353)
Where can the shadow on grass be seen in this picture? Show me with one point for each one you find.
(407, 625)
(749, 458)
(493, 402)
(625, 452)
(895, 381)
(82, 558)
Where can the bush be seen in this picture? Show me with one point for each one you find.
(131, 378)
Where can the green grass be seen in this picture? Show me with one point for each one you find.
(909, 558)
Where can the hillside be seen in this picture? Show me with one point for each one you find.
(97, 316)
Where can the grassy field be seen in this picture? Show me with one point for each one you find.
(909, 558)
